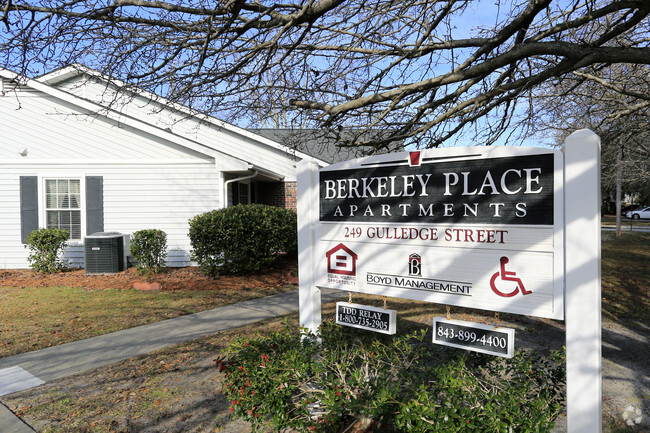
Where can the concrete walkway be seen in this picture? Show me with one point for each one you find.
(30, 369)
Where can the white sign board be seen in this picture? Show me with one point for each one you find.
(478, 227)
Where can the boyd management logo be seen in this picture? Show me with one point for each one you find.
(415, 265)
(415, 281)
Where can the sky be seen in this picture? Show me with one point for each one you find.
(479, 14)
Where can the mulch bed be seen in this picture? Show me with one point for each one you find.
(189, 278)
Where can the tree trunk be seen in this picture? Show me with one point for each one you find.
(619, 180)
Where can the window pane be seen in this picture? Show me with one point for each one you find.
(63, 194)
(75, 232)
(52, 219)
(64, 218)
(75, 224)
(62, 186)
(75, 186)
(243, 193)
(235, 193)
(75, 201)
(50, 200)
(50, 193)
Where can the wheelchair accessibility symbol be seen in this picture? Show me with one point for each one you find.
(504, 275)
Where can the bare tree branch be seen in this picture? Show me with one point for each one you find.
(402, 66)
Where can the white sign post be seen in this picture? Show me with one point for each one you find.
(583, 285)
(309, 295)
(478, 227)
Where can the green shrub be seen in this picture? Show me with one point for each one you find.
(149, 249)
(242, 238)
(46, 247)
(394, 384)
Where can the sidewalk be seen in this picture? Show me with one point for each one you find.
(30, 369)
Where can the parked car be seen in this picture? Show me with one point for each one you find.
(643, 212)
(630, 207)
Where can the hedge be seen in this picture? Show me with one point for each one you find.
(242, 238)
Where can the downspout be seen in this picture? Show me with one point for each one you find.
(226, 183)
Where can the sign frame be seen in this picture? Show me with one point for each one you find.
(578, 270)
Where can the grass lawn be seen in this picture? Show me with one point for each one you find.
(626, 278)
(34, 318)
(626, 223)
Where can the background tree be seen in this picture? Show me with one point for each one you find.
(604, 99)
(415, 68)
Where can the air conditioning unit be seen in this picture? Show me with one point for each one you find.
(106, 252)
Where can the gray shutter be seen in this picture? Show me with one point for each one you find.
(28, 206)
(94, 204)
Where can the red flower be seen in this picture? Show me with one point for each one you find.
(221, 364)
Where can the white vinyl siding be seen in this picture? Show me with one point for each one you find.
(147, 182)
(275, 159)
(79, 136)
(135, 198)
(165, 198)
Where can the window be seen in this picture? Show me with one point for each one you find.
(63, 205)
(243, 193)
(253, 192)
